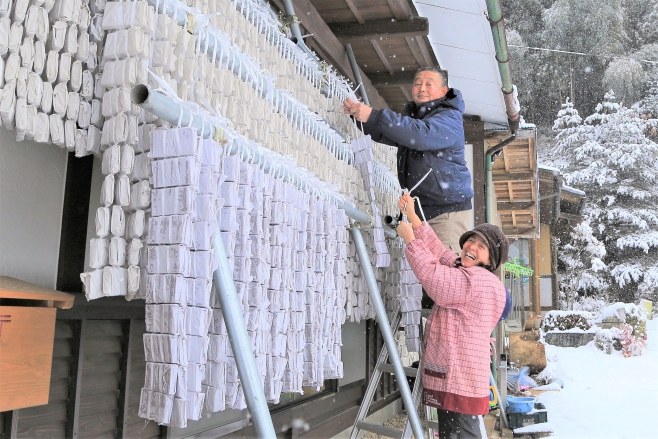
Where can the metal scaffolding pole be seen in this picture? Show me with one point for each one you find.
(357, 73)
(254, 394)
(387, 334)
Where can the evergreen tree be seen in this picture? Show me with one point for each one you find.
(582, 258)
(610, 158)
(567, 117)
(650, 103)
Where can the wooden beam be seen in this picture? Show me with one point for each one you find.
(417, 52)
(535, 301)
(382, 56)
(513, 176)
(397, 79)
(505, 161)
(351, 33)
(474, 134)
(405, 92)
(571, 216)
(510, 190)
(427, 53)
(355, 11)
(333, 51)
(400, 9)
(554, 280)
(502, 206)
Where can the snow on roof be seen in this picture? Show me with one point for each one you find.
(499, 127)
(555, 171)
(573, 190)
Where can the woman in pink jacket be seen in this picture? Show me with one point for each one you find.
(469, 300)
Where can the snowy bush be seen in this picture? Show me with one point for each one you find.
(630, 337)
(590, 304)
(608, 339)
(566, 320)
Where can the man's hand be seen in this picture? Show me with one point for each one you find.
(361, 112)
(406, 232)
(406, 205)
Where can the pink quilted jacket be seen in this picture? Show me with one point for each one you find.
(468, 304)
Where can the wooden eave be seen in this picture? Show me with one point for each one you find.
(388, 38)
(516, 183)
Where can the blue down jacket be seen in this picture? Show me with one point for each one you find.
(429, 135)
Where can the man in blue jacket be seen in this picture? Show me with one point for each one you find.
(428, 135)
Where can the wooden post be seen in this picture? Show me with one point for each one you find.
(554, 276)
(535, 299)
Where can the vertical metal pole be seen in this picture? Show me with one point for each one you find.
(254, 394)
(357, 73)
(387, 334)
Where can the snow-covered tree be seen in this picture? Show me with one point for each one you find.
(626, 78)
(567, 117)
(610, 158)
(650, 103)
(582, 257)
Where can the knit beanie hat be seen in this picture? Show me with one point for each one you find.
(496, 241)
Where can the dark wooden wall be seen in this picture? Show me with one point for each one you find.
(96, 379)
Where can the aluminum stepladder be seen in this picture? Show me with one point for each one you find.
(382, 366)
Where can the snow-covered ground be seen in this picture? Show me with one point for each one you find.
(604, 396)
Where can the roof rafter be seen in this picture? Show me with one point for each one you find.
(374, 29)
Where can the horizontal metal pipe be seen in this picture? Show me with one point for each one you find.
(171, 111)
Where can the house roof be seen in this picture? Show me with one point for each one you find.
(461, 38)
(556, 200)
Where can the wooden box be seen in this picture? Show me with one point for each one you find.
(27, 330)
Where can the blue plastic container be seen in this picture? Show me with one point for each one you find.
(518, 404)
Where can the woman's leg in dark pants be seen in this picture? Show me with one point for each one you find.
(458, 426)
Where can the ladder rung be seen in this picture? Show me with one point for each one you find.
(434, 425)
(408, 371)
(379, 429)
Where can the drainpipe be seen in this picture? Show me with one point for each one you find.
(495, 17)
(490, 194)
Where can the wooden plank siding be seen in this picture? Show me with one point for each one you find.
(97, 415)
(135, 427)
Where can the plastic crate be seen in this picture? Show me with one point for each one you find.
(518, 420)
